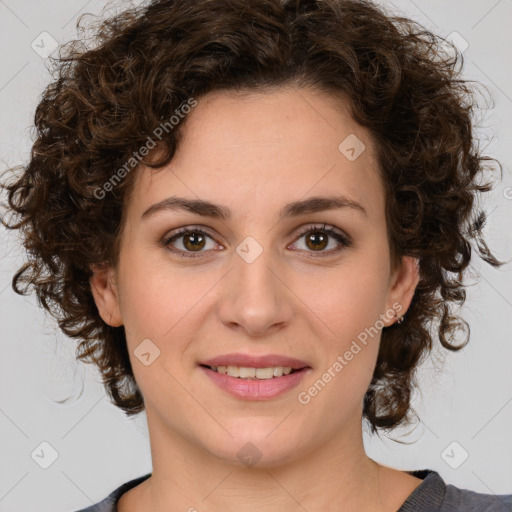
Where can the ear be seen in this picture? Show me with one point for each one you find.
(104, 291)
(403, 283)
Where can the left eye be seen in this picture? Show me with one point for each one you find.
(318, 237)
(193, 240)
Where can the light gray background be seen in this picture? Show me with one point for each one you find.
(467, 401)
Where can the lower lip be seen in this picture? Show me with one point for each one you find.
(255, 389)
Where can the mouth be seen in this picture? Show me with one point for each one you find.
(255, 376)
(255, 383)
(250, 373)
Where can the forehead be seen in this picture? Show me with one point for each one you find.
(261, 150)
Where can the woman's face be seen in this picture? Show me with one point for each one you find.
(259, 282)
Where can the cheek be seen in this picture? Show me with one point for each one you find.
(348, 299)
(158, 306)
(347, 305)
(350, 350)
(154, 295)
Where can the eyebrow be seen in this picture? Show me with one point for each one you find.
(217, 211)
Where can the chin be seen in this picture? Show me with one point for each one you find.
(257, 449)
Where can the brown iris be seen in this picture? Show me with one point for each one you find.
(318, 239)
(193, 241)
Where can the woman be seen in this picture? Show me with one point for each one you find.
(253, 211)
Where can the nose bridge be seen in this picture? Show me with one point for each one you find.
(253, 263)
(256, 298)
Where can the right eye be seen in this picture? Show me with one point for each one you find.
(193, 240)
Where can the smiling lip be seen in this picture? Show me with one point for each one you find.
(248, 361)
(255, 389)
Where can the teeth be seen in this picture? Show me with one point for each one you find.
(246, 372)
(234, 371)
(243, 372)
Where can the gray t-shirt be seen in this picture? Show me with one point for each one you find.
(432, 495)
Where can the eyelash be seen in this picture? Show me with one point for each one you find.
(343, 239)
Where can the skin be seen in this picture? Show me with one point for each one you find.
(254, 153)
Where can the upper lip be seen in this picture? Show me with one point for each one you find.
(249, 361)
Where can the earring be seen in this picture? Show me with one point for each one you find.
(399, 320)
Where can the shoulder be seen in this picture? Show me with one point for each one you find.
(434, 495)
(469, 501)
(109, 504)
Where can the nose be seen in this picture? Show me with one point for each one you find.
(255, 296)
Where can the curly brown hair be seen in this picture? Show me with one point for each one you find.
(107, 99)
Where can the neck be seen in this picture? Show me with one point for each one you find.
(335, 475)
